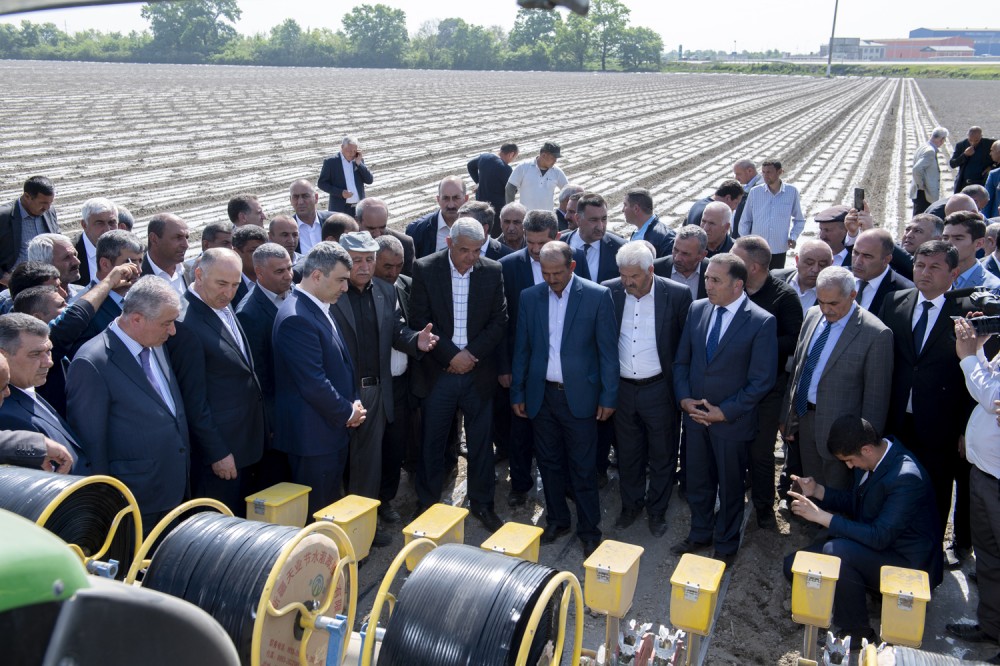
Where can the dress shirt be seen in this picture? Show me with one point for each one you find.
(228, 320)
(557, 316)
(593, 254)
(248, 283)
(135, 349)
(841, 257)
(864, 477)
(443, 232)
(640, 233)
(807, 297)
(691, 281)
(277, 299)
(775, 216)
(973, 277)
(309, 234)
(460, 304)
(349, 182)
(31, 226)
(873, 285)
(932, 316)
(637, 338)
(324, 308)
(982, 436)
(727, 318)
(485, 246)
(536, 189)
(837, 328)
(113, 295)
(536, 271)
(398, 362)
(91, 250)
(176, 280)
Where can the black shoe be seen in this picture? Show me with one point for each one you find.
(688, 546)
(657, 525)
(726, 558)
(626, 518)
(382, 538)
(553, 532)
(971, 633)
(388, 514)
(602, 479)
(517, 499)
(488, 517)
(500, 454)
(589, 546)
(766, 520)
(994, 660)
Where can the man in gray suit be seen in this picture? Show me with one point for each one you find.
(124, 402)
(926, 184)
(843, 365)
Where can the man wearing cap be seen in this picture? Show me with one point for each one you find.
(833, 232)
(538, 179)
(372, 324)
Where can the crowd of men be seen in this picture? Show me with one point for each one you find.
(329, 349)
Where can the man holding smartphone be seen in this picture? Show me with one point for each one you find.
(344, 177)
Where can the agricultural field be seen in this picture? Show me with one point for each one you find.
(185, 139)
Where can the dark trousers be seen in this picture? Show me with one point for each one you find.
(450, 394)
(565, 448)
(502, 415)
(647, 433)
(324, 474)
(778, 260)
(715, 465)
(271, 469)
(939, 459)
(364, 463)
(395, 437)
(963, 511)
(985, 500)
(762, 449)
(605, 440)
(232, 492)
(521, 450)
(920, 203)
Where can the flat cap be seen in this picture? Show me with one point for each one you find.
(552, 148)
(358, 241)
(832, 214)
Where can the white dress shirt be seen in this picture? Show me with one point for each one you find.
(324, 307)
(807, 298)
(91, 250)
(982, 436)
(443, 232)
(536, 271)
(176, 280)
(873, 285)
(276, 299)
(460, 304)
(593, 254)
(349, 182)
(557, 317)
(637, 339)
(309, 234)
(727, 316)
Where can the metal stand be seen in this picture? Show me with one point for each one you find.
(810, 650)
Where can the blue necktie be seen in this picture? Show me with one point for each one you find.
(713, 337)
(802, 392)
(921, 328)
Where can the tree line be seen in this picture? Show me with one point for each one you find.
(204, 31)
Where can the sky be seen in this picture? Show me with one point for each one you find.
(798, 26)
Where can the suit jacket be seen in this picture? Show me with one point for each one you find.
(991, 266)
(993, 187)
(588, 354)
(313, 380)
(941, 405)
(563, 223)
(322, 215)
(891, 283)
(490, 173)
(725, 246)
(607, 268)
(256, 314)
(926, 173)
(241, 292)
(404, 288)
(486, 320)
(496, 250)
(971, 170)
(664, 267)
(105, 314)
(393, 333)
(10, 232)
(855, 380)
(408, 250)
(20, 412)
(890, 512)
(223, 398)
(331, 180)
(901, 262)
(697, 209)
(81, 253)
(423, 231)
(23, 448)
(124, 426)
(740, 374)
(661, 236)
(671, 302)
(756, 180)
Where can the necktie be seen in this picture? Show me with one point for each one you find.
(234, 330)
(148, 370)
(921, 328)
(713, 337)
(861, 290)
(586, 255)
(802, 392)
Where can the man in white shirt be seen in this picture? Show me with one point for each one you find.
(167, 242)
(538, 179)
(814, 255)
(304, 198)
(98, 216)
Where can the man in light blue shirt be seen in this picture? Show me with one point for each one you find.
(774, 212)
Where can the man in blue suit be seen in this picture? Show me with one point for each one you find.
(430, 232)
(638, 211)
(490, 172)
(594, 248)
(565, 379)
(726, 363)
(315, 396)
(885, 519)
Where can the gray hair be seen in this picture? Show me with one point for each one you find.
(635, 253)
(836, 277)
(390, 244)
(14, 324)
(97, 205)
(467, 227)
(213, 255)
(514, 206)
(210, 232)
(148, 296)
(348, 141)
(269, 251)
(939, 133)
(993, 230)
(568, 191)
(111, 244)
(722, 206)
(745, 164)
(125, 218)
(40, 247)
(365, 204)
(693, 231)
(325, 256)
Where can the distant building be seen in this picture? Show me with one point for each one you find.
(985, 42)
(854, 48)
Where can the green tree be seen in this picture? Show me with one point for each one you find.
(533, 26)
(376, 35)
(574, 40)
(192, 30)
(609, 19)
(641, 49)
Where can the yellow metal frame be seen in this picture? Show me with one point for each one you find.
(132, 507)
(308, 615)
(573, 586)
(140, 562)
(368, 647)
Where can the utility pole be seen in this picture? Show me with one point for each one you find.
(833, 31)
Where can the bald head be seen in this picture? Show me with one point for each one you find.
(957, 202)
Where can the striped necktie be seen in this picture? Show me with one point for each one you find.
(802, 392)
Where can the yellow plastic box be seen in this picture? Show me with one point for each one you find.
(611, 574)
(905, 593)
(694, 593)
(357, 516)
(516, 540)
(441, 524)
(814, 580)
(281, 504)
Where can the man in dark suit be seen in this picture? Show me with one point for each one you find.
(98, 216)
(211, 358)
(27, 448)
(490, 172)
(972, 159)
(716, 221)
(638, 211)
(730, 192)
(687, 263)
(244, 209)
(461, 293)
(25, 346)
(430, 232)
(746, 175)
(23, 219)
(929, 405)
(594, 248)
(566, 210)
(725, 365)
(167, 242)
(811, 258)
(650, 312)
(565, 379)
(124, 402)
(285, 232)
(920, 229)
(246, 240)
(373, 217)
(991, 262)
(881, 520)
(305, 199)
(344, 177)
(479, 210)
(875, 280)
(512, 226)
